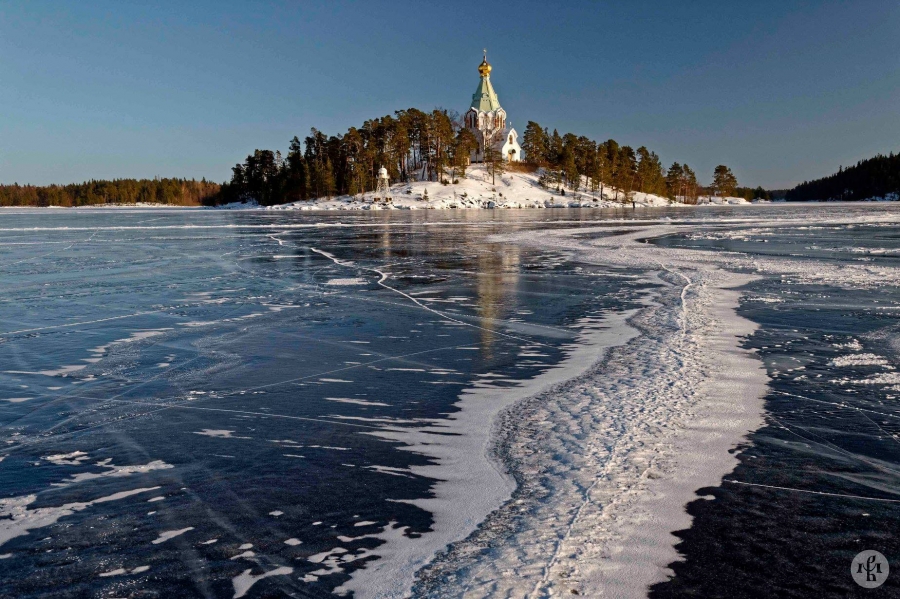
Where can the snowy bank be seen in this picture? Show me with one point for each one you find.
(478, 190)
(721, 201)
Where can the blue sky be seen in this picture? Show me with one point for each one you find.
(779, 91)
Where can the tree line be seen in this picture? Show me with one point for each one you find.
(876, 177)
(175, 192)
(411, 144)
(435, 146)
(578, 162)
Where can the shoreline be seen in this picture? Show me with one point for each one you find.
(359, 207)
(479, 189)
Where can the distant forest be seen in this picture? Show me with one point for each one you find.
(433, 146)
(412, 145)
(877, 177)
(175, 192)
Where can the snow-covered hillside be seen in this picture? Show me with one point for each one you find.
(715, 200)
(512, 190)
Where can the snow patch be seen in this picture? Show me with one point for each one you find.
(244, 581)
(859, 360)
(170, 534)
(17, 520)
(347, 282)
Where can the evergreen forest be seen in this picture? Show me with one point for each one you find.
(175, 192)
(433, 146)
(877, 177)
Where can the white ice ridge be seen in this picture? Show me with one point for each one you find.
(353, 400)
(470, 482)
(113, 471)
(606, 466)
(97, 354)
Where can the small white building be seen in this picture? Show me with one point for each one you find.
(486, 119)
(511, 149)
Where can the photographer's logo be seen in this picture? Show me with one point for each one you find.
(869, 569)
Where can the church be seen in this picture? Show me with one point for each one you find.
(486, 119)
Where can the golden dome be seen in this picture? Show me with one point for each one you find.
(484, 69)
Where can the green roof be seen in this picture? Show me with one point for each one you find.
(485, 98)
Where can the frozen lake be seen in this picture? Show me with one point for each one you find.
(212, 403)
(240, 367)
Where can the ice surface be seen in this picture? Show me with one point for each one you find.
(604, 457)
(621, 450)
(624, 545)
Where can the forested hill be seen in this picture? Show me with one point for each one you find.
(175, 192)
(414, 145)
(877, 177)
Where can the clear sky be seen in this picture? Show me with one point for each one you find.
(780, 91)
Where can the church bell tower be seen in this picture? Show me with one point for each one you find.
(486, 119)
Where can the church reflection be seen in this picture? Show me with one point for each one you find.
(494, 268)
(496, 288)
(453, 260)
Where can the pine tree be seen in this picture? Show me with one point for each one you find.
(296, 176)
(534, 144)
(555, 150)
(495, 163)
(626, 173)
(569, 167)
(610, 164)
(463, 145)
(328, 183)
(675, 182)
(690, 185)
(724, 181)
(760, 194)
(442, 137)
